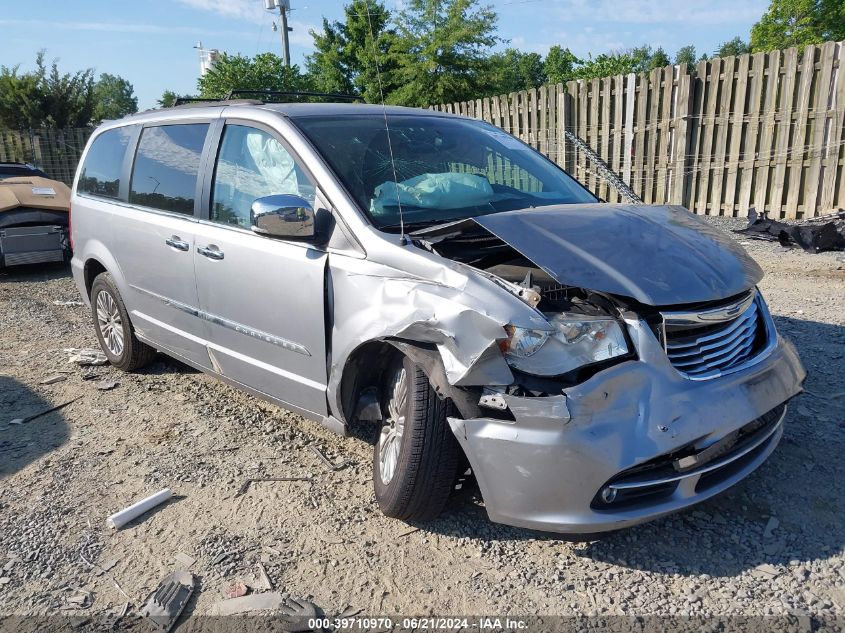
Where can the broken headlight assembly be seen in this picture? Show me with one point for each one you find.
(575, 340)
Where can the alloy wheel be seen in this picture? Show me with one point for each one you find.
(390, 440)
(110, 323)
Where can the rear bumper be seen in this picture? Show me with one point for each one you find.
(547, 471)
(33, 244)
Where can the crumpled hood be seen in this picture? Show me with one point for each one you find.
(33, 192)
(658, 255)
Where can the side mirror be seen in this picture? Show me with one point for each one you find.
(284, 215)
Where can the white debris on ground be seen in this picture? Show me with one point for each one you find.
(87, 356)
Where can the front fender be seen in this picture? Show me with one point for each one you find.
(464, 320)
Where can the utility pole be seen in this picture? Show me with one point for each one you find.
(283, 6)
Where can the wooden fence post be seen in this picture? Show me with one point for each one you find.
(764, 171)
(798, 142)
(628, 146)
(836, 135)
(735, 130)
(604, 142)
(756, 81)
(787, 87)
(563, 114)
(681, 145)
(819, 140)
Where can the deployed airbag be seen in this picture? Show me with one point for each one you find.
(433, 191)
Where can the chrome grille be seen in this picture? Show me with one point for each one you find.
(709, 343)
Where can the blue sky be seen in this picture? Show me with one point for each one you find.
(150, 42)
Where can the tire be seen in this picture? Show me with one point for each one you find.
(425, 452)
(114, 329)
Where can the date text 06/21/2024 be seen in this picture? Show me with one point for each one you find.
(363, 623)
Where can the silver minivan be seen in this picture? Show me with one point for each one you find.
(595, 365)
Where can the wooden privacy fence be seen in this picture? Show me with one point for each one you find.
(765, 130)
(56, 152)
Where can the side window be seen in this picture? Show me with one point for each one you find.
(166, 166)
(101, 171)
(252, 164)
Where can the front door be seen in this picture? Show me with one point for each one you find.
(262, 298)
(155, 238)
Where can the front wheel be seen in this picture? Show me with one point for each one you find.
(416, 457)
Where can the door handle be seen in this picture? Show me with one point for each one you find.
(210, 251)
(177, 243)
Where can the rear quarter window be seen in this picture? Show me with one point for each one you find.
(103, 164)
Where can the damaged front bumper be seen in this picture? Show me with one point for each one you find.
(634, 442)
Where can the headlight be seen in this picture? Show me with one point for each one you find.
(576, 340)
(522, 342)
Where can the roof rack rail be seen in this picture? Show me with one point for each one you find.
(238, 93)
(183, 100)
(282, 93)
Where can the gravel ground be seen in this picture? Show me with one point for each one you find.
(771, 545)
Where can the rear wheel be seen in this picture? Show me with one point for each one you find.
(114, 330)
(416, 457)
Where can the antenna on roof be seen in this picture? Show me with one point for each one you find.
(402, 238)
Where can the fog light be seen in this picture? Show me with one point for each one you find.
(608, 495)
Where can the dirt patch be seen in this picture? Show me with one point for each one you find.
(169, 426)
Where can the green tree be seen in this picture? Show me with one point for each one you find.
(513, 70)
(265, 71)
(618, 63)
(45, 97)
(685, 58)
(114, 97)
(559, 65)
(788, 23)
(328, 65)
(350, 55)
(168, 98)
(21, 105)
(634, 60)
(641, 57)
(659, 59)
(68, 99)
(440, 51)
(736, 46)
(369, 38)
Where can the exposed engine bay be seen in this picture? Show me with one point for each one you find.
(587, 330)
(482, 250)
